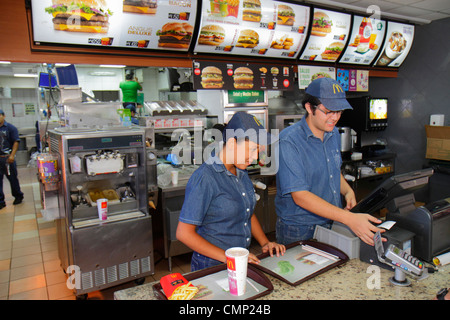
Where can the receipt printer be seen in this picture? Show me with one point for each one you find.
(431, 226)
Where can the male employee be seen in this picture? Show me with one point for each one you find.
(9, 143)
(129, 89)
(309, 180)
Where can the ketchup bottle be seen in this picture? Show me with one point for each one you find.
(365, 30)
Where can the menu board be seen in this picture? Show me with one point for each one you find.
(399, 38)
(242, 76)
(365, 41)
(253, 28)
(151, 24)
(329, 32)
(307, 74)
(353, 80)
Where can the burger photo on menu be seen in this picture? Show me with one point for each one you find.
(212, 78)
(251, 10)
(212, 35)
(175, 35)
(332, 51)
(243, 78)
(80, 15)
(248, 38)
(321, 25)
(285, 15)
(140, 6)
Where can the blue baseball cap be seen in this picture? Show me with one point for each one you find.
(330, 93)
(245, 125)
(131, 107)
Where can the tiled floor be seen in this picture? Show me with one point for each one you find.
(29, 264)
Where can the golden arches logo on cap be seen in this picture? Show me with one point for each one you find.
(337, 88)
(257, 121)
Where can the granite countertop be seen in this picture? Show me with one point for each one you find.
(346, 282)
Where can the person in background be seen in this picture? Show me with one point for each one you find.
(309, 180)
(9, 143)
(217, 212)
(130, 88)
(132, 108)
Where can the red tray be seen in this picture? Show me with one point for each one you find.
(252, 273)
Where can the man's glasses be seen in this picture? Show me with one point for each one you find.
(330, 113)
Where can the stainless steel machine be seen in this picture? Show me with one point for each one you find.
(107, 164)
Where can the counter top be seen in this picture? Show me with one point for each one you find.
(346, 282)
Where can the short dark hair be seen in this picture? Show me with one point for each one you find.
(129, 76)
(313, 102)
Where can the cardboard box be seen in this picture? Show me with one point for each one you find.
(438, 142)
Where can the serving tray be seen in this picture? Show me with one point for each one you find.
(213, 284)
(302, 261)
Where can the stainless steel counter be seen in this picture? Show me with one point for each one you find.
(347, 282)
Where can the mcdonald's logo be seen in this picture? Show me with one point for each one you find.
(257, 121)
(337, 88)
(231, 264)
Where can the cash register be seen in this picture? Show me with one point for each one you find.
(423, 232)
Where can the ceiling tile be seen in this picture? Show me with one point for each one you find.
(435, 16)
(426, 10)
(434, 5)
(384, 6)
(402, 2)
(410, 11)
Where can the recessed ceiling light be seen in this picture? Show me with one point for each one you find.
(111, 66)
(25, 75)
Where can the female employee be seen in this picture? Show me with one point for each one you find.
(217, 213)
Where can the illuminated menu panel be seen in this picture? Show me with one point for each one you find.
(252, 28)
(366, 40)
(399, 39)
(151, 24)
(242, 76)
(329, 33)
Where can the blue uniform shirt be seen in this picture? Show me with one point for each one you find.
(307, 164)
(220, 204)
(8, 135)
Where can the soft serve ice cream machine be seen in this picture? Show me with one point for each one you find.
(103, 165)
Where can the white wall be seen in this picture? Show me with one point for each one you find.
(95, 78)
(23, 96)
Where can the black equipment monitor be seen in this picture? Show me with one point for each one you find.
(394, 187)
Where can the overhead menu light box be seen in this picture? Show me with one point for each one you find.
(399, 39)
(163, 25)
(242, 76)
(329, 33)
(260, 28)
(366, 40)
